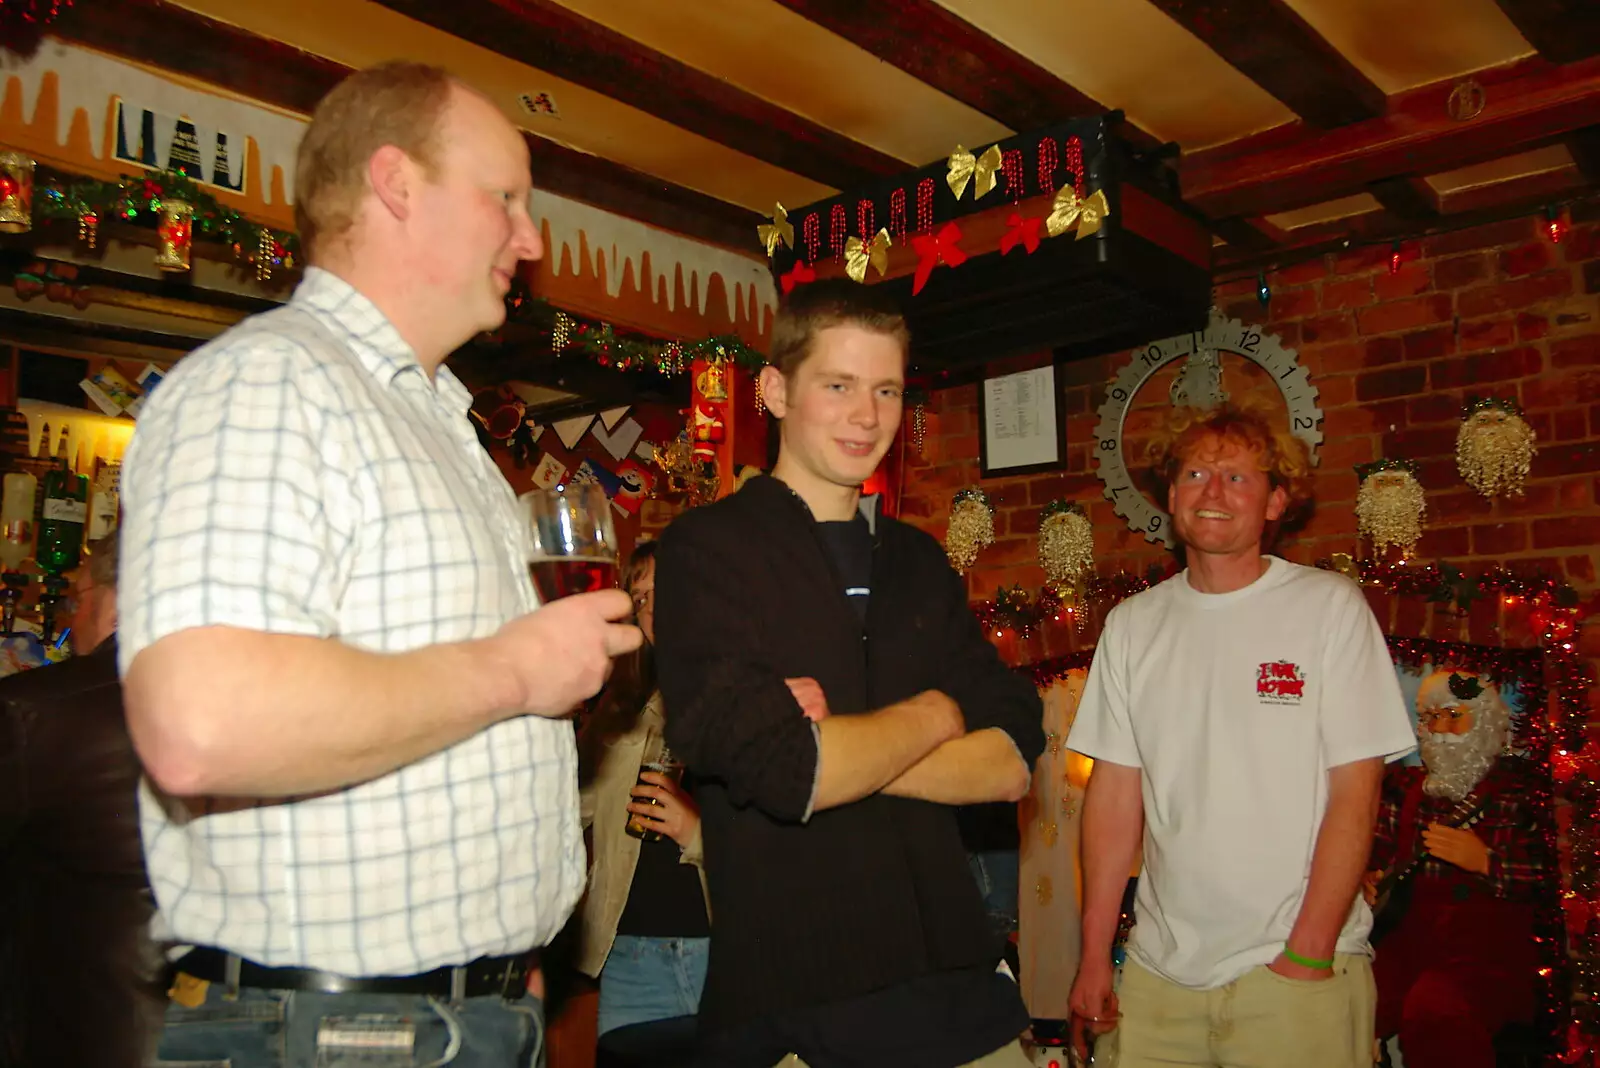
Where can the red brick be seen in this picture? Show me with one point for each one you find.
(1536, 256)
(1499, 538)
(1438, 472)
(1576, 352)
(1419, 443)
(1570, 425)
(1404, 314)
(1382, 351)
(1446, 542)
(1583, 243)
(1391, 382)
(1430, 344)
(1537, 499)
(1574, 386)
(1575, 495)
(1486, 334)
(1566, 531)
(1509, 296)
(1459, 371)
(1578, 458)
(1531, 327)
(1460, 271)
(1411, 279)
(1335, 390)
(1510, 232)
(1349, 293)
(1434, 408)
(1301, 273)
(1293, 303)
(1335, 359)
(1456, 504)
(1325, 328)
(1342, 452)
(1249, 312)
(1580, 569)
(1361, 260)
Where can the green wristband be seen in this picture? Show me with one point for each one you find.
(1306, 962)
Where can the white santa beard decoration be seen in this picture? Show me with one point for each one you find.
(1494, 451)
(1389, 510)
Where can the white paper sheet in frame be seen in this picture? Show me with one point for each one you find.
(1020, 427)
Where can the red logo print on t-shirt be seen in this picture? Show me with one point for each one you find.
(1280, 683)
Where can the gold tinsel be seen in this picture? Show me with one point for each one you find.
(971, 529)
(1066, 548)
(1389, 510)
(761, 399)
(1494, 450)
(919, 427)
(560, 333)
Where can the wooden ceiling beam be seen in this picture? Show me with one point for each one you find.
(1253, 235)
(559, 41)
(1406, 198)
(936, 46)
(1268, 42)
(1477, 206)
(1530, 105)
(172, 38)
(1564, 31)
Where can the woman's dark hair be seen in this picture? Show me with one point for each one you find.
(633, 680)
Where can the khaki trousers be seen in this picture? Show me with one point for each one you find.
(1260, 1020)
(1010, 1056)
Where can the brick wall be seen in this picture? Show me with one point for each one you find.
(1497, 310)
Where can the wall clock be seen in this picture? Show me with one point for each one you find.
(1199, 383)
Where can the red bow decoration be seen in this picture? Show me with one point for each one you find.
(934, 249)
(799, 275)
(1024, 232)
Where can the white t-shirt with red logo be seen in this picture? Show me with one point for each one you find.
(1234, 706)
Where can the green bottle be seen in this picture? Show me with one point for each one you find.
(66, 509)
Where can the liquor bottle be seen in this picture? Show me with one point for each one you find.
(66, 508)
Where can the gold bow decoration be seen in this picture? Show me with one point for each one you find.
(858, 254)
(779, 229)
(1069, 210)
(981, 171)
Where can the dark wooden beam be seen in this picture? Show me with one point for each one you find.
(70, 331)
(1477, 206)
(1584, 145)
(1406, 198)
(1563, 31)
(1269, 43)
(1254, 235)
(560, 41)
(1531, 105)
(937, 46)
(173, 38)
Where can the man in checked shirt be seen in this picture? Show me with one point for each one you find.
(361, 811)
(1461, 962)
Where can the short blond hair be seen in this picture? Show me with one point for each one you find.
(811, 309)
(1284, 457)
(398, 103)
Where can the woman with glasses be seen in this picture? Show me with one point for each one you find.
(646, 929)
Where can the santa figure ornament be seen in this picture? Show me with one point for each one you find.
(1494, 447)
(707, 430)
(971, 528)
(1390, 505)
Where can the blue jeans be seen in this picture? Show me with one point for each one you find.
(283, 1029)
(998, 876)
(647, 979)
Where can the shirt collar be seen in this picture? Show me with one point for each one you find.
(369, 333)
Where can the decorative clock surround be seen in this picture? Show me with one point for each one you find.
(1201, 387)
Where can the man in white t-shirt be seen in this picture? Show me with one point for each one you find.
(1240, 715)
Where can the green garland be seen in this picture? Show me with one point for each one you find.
(138, 199)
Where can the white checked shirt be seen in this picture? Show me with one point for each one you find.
(301, 475)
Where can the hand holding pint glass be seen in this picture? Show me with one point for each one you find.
(574, 546)
(560, 655)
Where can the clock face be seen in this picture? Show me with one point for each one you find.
(1199, 383)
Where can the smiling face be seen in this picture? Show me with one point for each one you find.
(1220, 499)
(839, 410)
(472, 217)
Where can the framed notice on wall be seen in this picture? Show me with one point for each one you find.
(1022, 429)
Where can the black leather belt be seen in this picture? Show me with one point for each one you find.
(505, 977)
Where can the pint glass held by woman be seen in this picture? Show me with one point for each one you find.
(572, 545)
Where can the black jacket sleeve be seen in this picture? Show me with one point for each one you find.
(973, 675)
(730, 716)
